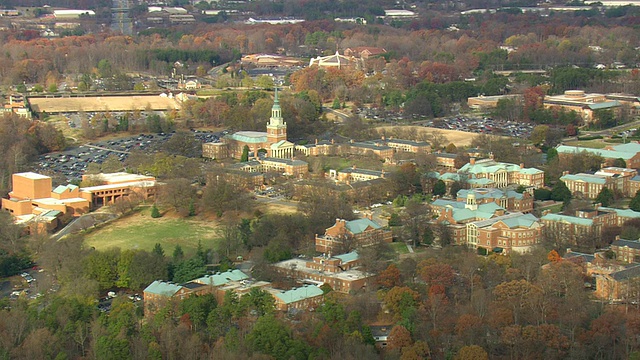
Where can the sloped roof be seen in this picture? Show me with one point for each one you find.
(604, 105)
(160, 287)
(250, 137)
(587, 257)
(298, 294)
(608, 154)
(61, 188)
(628, 273)
(623, 213)
(568, 219)
(348, 257)
(634, 244)
(588, 178)
(530, 171)
(633, 147)
(526, 220)
(452, 203)
(223, 278)
(360, 225)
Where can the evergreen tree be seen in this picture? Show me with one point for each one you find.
(635, 202)
(192, 208)
(336, 104)
(605, 197)
(158, 250)
(560, 192)
(245, 154)
(439, 188)
(178, 254)
(155, 213)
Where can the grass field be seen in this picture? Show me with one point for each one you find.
(102, 103)
(459, 138)
(595, 144)
(140, 231)
(399, 247)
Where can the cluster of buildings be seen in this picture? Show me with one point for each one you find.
(629, 152)
(584, 104)
(34, 202)
(342, 273)
(621, 180)
(162, 293)
(616, 270)
(490, 220)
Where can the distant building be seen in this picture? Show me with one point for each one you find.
(354, 174)
(360, 232)
(582, 103)
(500, 174)
(72, 14)
(629, 152)
(287, 167)
(34, 200)
(364, 52)
(334, 61)
(486, 224)
(307, 297)
(273, 142)
(489, 102)
(340, 271)
(627, 251)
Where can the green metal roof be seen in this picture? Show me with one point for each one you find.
(301, 293)
(62, 188)
(588, 178)
(160, 287)
(568, 219)
(607, 154)
(360, 225)
(604, 105)
(632, 147)
(624, 213)
(223, 278)
(348, 257)
(530, 171)
(525, 220)
(251, 137)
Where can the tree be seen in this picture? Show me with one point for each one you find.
(440, 188)
(472, 352)
(178, 254)
(390, 277)
(245, 154)
(560, 192)
(271, 337)
(111, 164)
(635, 202)
(605, 197)
(399, 338)
(155, 213)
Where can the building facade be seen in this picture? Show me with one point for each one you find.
(349, 234)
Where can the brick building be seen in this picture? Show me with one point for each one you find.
(340, 272)
(349, 234)
(286, 167)
(307, 297)
(629, 152)
(627, 251)
(501, 174)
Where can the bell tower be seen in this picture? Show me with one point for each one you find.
(277, 128)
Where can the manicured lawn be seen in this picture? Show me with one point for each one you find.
(140, 231)
(399, 247)
(595, 144)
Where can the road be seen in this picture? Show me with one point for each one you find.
(340, 115)
(611, 131)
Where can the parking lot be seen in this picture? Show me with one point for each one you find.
(72, 163)
(472, 124)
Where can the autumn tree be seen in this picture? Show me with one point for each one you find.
(472, 352)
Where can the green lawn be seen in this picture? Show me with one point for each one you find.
(140, 231)
(399, 247)
(595, 144)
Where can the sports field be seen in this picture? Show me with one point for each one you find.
(55, 105)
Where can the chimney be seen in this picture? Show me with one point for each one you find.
(316, 141)
(382, 137)
(353, 167)
(565, 173)
(596, 206)
(521, 165)
(472, 161)
(351, 141)
(617, 237)
(332, 142)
